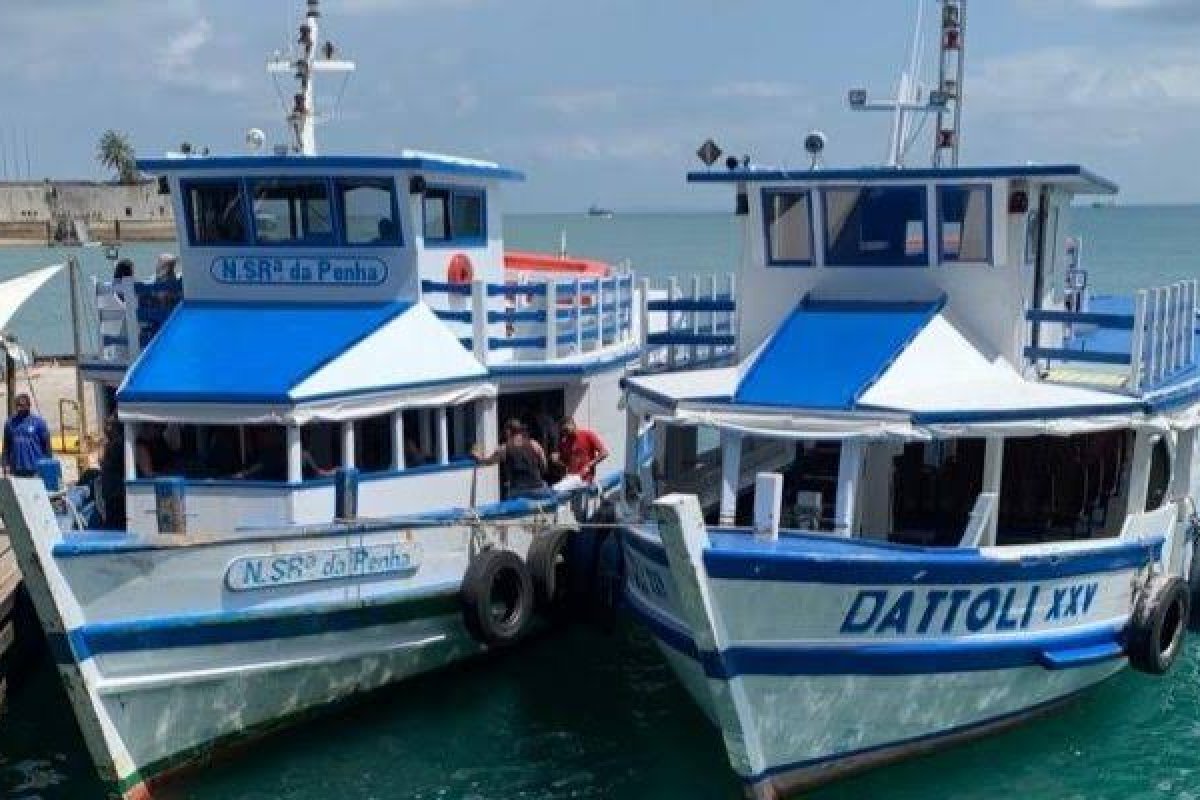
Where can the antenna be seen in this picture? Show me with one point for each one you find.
(950, 81)
(308, 60)
(909, 90)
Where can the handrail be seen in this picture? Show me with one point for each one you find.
(979, 521)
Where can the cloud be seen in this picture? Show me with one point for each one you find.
(581, 101)
(1084, 78)
(353, 7)
(755, 90)
(1163, 10)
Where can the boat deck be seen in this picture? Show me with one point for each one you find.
(1099, 345)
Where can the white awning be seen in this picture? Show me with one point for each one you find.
(15, 291)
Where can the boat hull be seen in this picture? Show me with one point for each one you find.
(174, 650)
(825, 657)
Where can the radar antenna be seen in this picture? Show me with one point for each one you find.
(308, 59)
(944, 101)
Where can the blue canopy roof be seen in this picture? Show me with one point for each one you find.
(825, 355)
(224, 353)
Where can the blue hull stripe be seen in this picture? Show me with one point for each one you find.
(820, 569)
(812, 559)
(1051, 651)
(239, 627)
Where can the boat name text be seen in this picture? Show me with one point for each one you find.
(990, 609)
(285, 569)
(297, 271)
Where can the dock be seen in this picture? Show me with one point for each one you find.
(10, 580)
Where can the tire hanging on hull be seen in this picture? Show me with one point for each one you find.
(497, 597)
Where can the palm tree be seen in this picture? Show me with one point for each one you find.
(116, 153)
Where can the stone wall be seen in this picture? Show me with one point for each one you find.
(42, 211)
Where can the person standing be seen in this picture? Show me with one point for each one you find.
(26, 439)
(579, 450)
(521, 459)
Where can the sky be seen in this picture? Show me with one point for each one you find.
(606, 101)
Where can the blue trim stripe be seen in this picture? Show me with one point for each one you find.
(899, 658)
(1080, 179)
(920, 568)
(305, 165)
(238, 627)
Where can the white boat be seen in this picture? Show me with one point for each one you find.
(985, 481)
(303, 520)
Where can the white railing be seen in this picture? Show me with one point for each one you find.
(545, 320)
(690, 323)
(1164, 332)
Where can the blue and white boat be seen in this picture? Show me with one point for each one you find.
(304, 522)
(941, 489)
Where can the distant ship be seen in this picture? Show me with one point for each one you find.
(597, 211)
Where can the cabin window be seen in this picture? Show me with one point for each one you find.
(373, 443)
(1160, 475)
(789, 228)
(369, 211)
(875, 226)
(454, 216)
(964, 223)
(288, 211)
(215, 213)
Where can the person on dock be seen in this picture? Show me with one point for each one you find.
(522, 460)
(579, 450)
(26, 439)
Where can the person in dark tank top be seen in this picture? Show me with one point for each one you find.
(522, 461)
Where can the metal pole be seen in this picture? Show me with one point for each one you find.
(73, 275)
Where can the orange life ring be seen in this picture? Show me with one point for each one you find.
(460, 269)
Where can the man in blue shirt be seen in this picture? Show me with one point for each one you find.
(26, 439)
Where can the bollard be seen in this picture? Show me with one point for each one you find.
(170, 505)
(768, 501)
(345, 493)
(51, 474)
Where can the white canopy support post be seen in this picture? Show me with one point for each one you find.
(849, 469)
(632, 438)
(551, 327)
(487, 430)
(1137, 347)
(1139, 477)
(643, 307)
(397, 440)
(295, 455)
(731, 467)
(993, 476)
(768, 503)
(348, 444)
(479, 321)
(443, 436)
(673, 324)
(130, 453)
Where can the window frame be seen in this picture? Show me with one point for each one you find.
(340, 202)
(766, 198)
(453, 240)
(186, 185)
(918, 261)
(990, 259)
(332, 239)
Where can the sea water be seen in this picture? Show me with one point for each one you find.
(584, 713)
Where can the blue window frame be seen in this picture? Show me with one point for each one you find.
(454, 216)
(292, 211)
(787, 219)
(875, 226)
(216, 212)
(368, 211)
(965, 224)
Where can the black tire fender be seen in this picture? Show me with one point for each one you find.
(1158, 627)
(549, 567)
(497, 597)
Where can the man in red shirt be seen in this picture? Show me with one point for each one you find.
(579, 450)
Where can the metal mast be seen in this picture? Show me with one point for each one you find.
(308, 60)
(950, 83)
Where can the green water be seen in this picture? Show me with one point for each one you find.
(582, 714)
